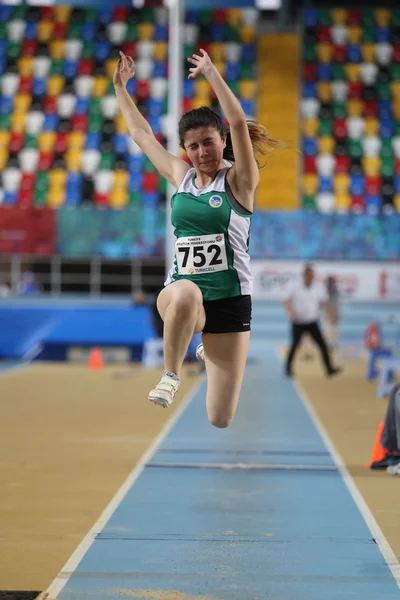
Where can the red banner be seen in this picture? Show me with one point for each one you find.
(27, 230)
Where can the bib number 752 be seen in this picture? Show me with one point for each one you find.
(203, 254)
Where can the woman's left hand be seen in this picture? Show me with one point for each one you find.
(201, 62)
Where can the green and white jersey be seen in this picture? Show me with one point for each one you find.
(211, 238)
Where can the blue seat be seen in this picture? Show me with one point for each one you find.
(397, 183)
(135, 163)
(82, 105)
(51, 122)
(384, 109)
(354, 53)
(73, 197)
(373, 204)
(217, 33)
(161, 33)
(310, 146)
(249, 107)
(131, 86)
(309, 90)
(10, 198)
(160, 68)
(155, 124)
(105, 15)
(324, 72)
(135, 181)
(357, 184)
(150, 198)
(155, 107)
(120, 143)
(310, 17)
(3, 64)
(70, 69)
(248, 53)
(3, 47)
(39, 87)
(93, 140)
(232, 71)
(102, 50)
(5, 13)
(382, 35)
(30, 30)
(74, 180)
(88, 32)
(386, 128)
(6, 104)
(192, 15)
(326, 185)
(188, 88)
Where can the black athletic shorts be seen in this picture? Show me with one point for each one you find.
(228, 315)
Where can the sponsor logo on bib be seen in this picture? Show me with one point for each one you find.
(215, 201)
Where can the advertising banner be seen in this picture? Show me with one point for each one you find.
(27, 230)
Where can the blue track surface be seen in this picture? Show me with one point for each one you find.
(258, 511)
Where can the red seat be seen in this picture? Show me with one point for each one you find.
(61, 143)
(187, 104)
(396, 53)
(324, 34)
(25, 85)
(373, 185)
(101, 199)
(29, 48)
(309, 72)
(143, 89)
(60, 31)
(339, 54)
(129, 48)
(356, 89)
(397, 166)
(339, 129)
(79, 122)
(370, 108)
(25, 197)
(160, 138)
(220, 16)
(16, 142)
(310, 165)
(47, 13)
(50, 105)
(86, 66)
(150, 182)
(120, 14)
(45, 161)
(342, 164)
(357, 203)
(354, 17)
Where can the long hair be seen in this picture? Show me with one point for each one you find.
(263, 143)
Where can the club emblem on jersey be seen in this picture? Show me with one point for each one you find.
(215, 201)
(191, 271)
(218, 238)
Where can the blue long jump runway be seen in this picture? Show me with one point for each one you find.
(257, 511)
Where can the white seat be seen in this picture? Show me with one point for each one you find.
(83, 85)
(158, 87)
(133, 147)
(16, 30)
(1, 195)
(66, 105)
(109, 106)
(9, 84)
(73, 49)
(167, 126)
(250, 16)
(309, 108)
(369, 73)
(145, 49)
(153, 353)
(117, 32)
(11, 179)
(371, 146)
(103, 181)
(325, 202)
(396, 146)
(90, 161)
(339, 34)
(29, 158)
(34, 122)
(191, 33)
(233, 52)
(355, 127)
(41, 66)
(144, 68)
(340, 90)
(325, 165)
(384, 53)
(161, 16)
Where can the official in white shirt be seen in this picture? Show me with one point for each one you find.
(303, 300)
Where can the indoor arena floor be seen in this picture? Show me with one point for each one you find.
(106, 496)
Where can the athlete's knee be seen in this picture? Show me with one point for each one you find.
(220, 421)
(188, 301)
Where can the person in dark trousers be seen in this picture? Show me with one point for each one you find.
(303, 301)
(390, 438)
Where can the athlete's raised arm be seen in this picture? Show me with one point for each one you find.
(169, 166)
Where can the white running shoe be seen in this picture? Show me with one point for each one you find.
(394, 469)
(164, 392)
(200, 352)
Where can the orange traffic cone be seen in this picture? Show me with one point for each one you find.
(96, 361)
(378, 451)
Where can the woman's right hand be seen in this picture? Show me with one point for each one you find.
(124, 70)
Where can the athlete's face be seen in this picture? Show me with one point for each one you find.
(205, 147)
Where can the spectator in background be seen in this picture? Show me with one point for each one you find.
(29, 286)
(303, 300)
(390, 438)
(332, 317)
(5, 289)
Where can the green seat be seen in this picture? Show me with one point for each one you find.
(74, 31)
(131, 34)
(395, 72)
(324, 17)
(248, 70)
(162, 188)
(3, 30)
(388, 167)
(397, 128)
(148, 166)
(87, 50)
(338, 73)
(384, 91)
(90, 15)
(231, 34)
(205, 17)
(30, 141)
(339, 110)
(57, 67)
(368, 34)
(354, 148)
(396, 17)
(386, 149)
(234, 86)
(309, 203)
(309, 53)
(146, 15)
(135, 198)
(13, 50)
(19, 12)
(188, 50)
(95, 124)
(42, 182)
(325, 127)
(107, 160)
(5, 122)
(94, 107)
(367, 18)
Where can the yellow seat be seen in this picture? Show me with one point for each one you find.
(120, 179)
(247, 89)
(145, 31)
(160, 51)
(76, 140)
(310, 127)
(62, 13)
(4, 139)
(396, 110)
(120, 125)
(57, 178)
(199, 102)
(55, 85)
(371, 165)
(111, 64)
(3, 157)
(46, 141)
(371, 126)
(18, 122)
(73, 159)
(353, 72)
(324, 52)
(119, 198)
(220, 66)
(310, 184)
(382, 17)
(354, 107)
(396, 202)
(326, 144)
(341, 183)
(25, 66)
(324, 91)
(45, 31)
(56, 49)
(55, 197)
(395, 87)
(202, 88)
(217, 51)
(368, 52)
(22, 103)
(339, 16)
(233, 17)
(100, 86)
(342, 202)
(247, 34)
(354, 34)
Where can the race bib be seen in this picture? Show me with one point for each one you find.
(201, 254)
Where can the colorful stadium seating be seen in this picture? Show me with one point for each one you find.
(63, 140)
(351, 110)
